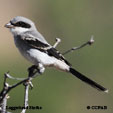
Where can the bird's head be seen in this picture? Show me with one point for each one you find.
(19, 25)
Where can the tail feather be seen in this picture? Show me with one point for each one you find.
(87, 80)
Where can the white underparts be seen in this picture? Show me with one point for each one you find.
(36, 56)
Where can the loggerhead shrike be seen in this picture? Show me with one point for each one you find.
(33, 46)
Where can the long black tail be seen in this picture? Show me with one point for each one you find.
(87, 80)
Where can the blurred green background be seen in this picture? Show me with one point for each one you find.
(74, 21)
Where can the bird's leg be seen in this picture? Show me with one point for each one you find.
(31, 70)
(34, 69)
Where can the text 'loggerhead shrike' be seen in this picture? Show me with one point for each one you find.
(33, 46)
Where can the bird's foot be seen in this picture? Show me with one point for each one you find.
(35, 69)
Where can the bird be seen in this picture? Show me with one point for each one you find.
(34, 47)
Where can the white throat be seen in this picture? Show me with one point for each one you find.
(18, 30)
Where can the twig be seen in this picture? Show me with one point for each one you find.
(7, 88)
(3, 107)
(58, 40)
(14, 78)
(32, 71)
(26, 97)
(4, 101)
(90, 42)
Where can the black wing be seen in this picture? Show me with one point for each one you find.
(35, 43)
(53, 52)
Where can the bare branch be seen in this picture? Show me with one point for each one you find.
(32, 73)
(26, 97)
(11, 77)
(7, 88)
(58, 40)
(90, 42)
(4, 101)
(3, 107)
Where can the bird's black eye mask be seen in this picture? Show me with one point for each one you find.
(20, 24)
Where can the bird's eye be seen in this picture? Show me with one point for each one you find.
(21, 24)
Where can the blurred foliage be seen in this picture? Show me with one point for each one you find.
(74, 21)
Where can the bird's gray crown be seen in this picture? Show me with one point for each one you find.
(20, 21)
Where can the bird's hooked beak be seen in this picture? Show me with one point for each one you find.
(9, 25)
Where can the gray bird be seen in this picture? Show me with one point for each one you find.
(33, 46)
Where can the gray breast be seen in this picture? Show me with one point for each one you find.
(22, 46)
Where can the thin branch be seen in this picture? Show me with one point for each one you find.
(7, 88)
(14, 78)
(3, 107)
(26, 98)
(4, 101)
(58, 40)
(90, 42)
(31, 75)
